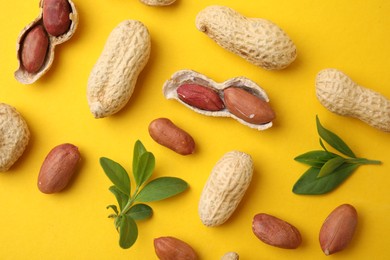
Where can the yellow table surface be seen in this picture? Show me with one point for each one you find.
(351, 36)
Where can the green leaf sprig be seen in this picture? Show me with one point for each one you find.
(327, 170)
(132, 206)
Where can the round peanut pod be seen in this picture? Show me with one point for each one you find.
(259, 41)
(26, 76)
(114, 76)
(14, 136)
(225, 188)
(339, 94)
(157, 2)
(188, 77)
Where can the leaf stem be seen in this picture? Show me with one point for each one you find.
(130, 203)
(363, 161)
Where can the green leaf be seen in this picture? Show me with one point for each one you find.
(117, 174)
(121, 198)
(331, 166)
(309, 184)
(333, 140)
(114, 208)
(140, 212)
(145, 167)
(161, 188)
(315, 158)
(128, 231)
(323, 146)
(139, 149)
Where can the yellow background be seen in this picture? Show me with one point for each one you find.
(349, 35)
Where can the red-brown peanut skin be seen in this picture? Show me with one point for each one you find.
(166, 133)
(58, 168)
(338, 229)
(200, 97)
(170, 248)
(34, 49)
(276, 232)
(56, 16)
(247, 106)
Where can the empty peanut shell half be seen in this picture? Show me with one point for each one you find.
(239, 98)
(55, 24)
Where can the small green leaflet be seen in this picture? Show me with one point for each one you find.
(333, 140)
(121, 198)
(143, 163)
(311, 184)
(128, 231)
(131, 205)
(331, 165)
(315, 158)
(327, 170)
(140, 212)
(161, 188)
(117, 174)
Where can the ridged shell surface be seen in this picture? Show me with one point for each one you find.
(225, 188)
(113, 78)
(257, 40)
(21, 74)
(158, 2)
(14, 136)
(341, 95)
(190, 76)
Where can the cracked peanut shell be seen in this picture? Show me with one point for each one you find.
(182, 77)
(22, 74)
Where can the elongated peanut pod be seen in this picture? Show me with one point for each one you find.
(14, 136)
(158, 2)
(113, 78)
(338, 93)
(257, 40)
(225, 188)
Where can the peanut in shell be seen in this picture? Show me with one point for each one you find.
(257, 40)
(337, 92)
(14, 136)
(225, 188)
(113, 78)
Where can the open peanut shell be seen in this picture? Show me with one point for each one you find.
(21, 74)
(192, 77)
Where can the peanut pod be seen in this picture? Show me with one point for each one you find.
(14, 136)
(259, 41)
(244, 107)
(339, 94)
(157, 2)
(113, 78)
(225, 188)
(57, 22)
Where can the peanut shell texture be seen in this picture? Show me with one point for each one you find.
(14, 136)
(113, 78)
(225, 188)
(337, 92)
(257, 40)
